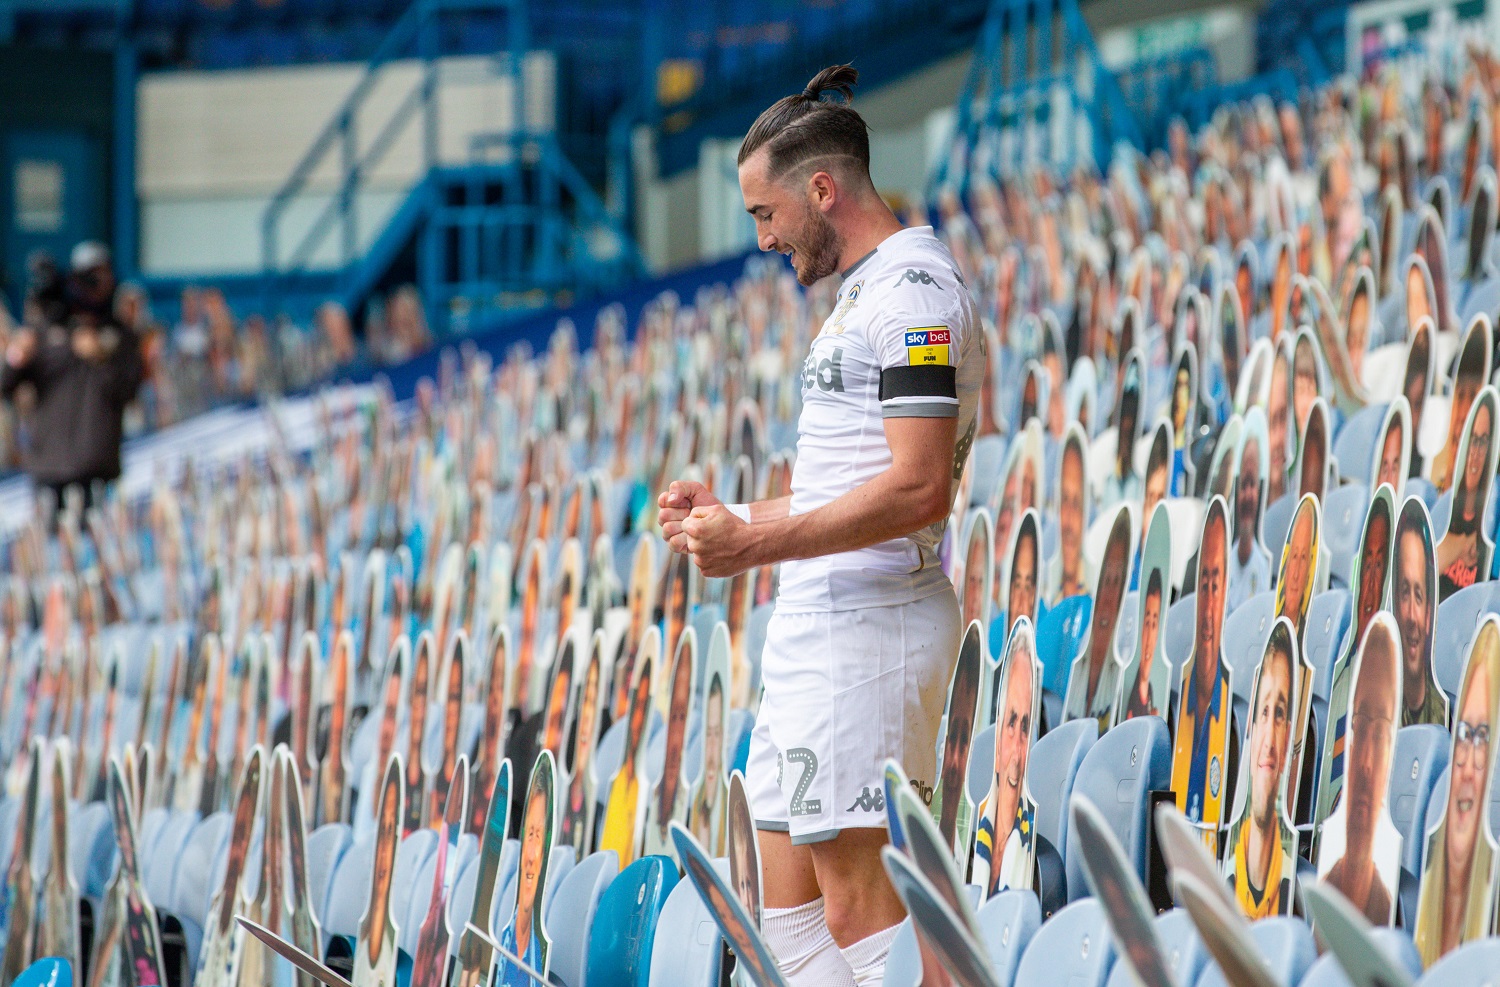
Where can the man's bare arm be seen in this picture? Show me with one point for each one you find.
(913, 492)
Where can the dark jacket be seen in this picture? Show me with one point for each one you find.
(77, 427)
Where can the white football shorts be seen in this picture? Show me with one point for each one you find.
(843, 692)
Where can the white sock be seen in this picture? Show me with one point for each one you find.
(804, 948)
(867, 957)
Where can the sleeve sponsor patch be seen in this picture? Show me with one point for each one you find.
(928, 347)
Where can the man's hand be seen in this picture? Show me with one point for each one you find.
(675, 504)
(718, 541)
(21, 349)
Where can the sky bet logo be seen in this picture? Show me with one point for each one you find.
(825, 374)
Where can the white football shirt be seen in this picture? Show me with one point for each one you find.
(904, 340)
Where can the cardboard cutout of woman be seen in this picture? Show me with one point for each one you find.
(526, 934)
(1464, 553)
(1458, 878)
(974, 576)
(1069, 574)
(951, 808)
(1021, 598)
(1261, 853)
(706, 817)
(1184, 406)
(1471, 373)
(669, 798)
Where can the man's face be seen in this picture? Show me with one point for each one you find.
(677, 722)
(713, 739)
(1013, 746)
(1304, 384)
(1156, 488)
(1270, 730)
(1107, 605)
(1416, 296)
(1390, 456)
(587, 713)
(1247, 498)
(1210, 591)
(1023, 580)
(1471, 767)
(1150, 627)
(974, 580)
(1413, 609)
(787, 221)
(1372, 568)
(1372, 715)
(1359, 330)
(1070, 510)
(533, 848)
(1180, 398)
(1298, 566)
(1276, 419)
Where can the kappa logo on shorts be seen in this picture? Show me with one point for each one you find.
(869, 801)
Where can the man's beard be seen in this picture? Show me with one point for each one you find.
(819, 249)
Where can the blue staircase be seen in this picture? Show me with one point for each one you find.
(1036, 93)
(512, 229)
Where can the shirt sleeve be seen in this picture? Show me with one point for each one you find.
(918, 347)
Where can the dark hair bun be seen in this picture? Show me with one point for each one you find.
(835, 78)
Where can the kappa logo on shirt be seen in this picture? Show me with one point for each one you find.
(915, 276)
(928, 346)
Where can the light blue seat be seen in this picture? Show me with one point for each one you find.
(1416, 486)
(1441, 512)
(1343, 521)
(624, 927)
(194, 883)
(91, 849)
(986, 459)
(159, 870)
(1421, 758)
(1178, 633)
(903, 964)
(981, 764)
(560, 864)
(1051, 774)
(1323, 636)
(1073, 947)
(1472, 965)
(411, 857)
(1453, 629)
(1277, 521)
(325, 846)
(149, 831)
(1181, 947)
(1285, 943)
(49, 972)
(1059, 634)
(349, 890)
(1118, 773)
(1394, 943)
(1354, 446)
(687, 949)
(571, 915)
(1246, 632)
(1007, 923)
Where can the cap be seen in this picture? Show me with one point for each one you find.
(88, 255)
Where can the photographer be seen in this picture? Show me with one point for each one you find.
(85, 368)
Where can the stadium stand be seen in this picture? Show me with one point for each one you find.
(302, 574)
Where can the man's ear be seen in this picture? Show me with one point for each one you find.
(822, 190)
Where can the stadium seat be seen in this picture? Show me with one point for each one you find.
(91, 849)
(1276, 522)
(1323, 635)
(1354, 446)
(981, 764)
(349, 890)
(159, 870)
(1442, 512)
(1287, 946)
(559, 864)
(421, 889)
(1059, 634)
(1051, 774)
(1246, 632)
(194, 884)
(903, 964)
(1118, 773)
(1127, 626)
(1395, 943)
(1457, 617)
(1179, 629)
(571, 915)
(411, 856)
(1472, 965)
(1343, 522)
(1007, 923)
(323, 849)
(620, 939)
(1073, 947)
(687, 949)
(1421, 756)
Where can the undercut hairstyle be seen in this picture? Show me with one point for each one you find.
(805, 127)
